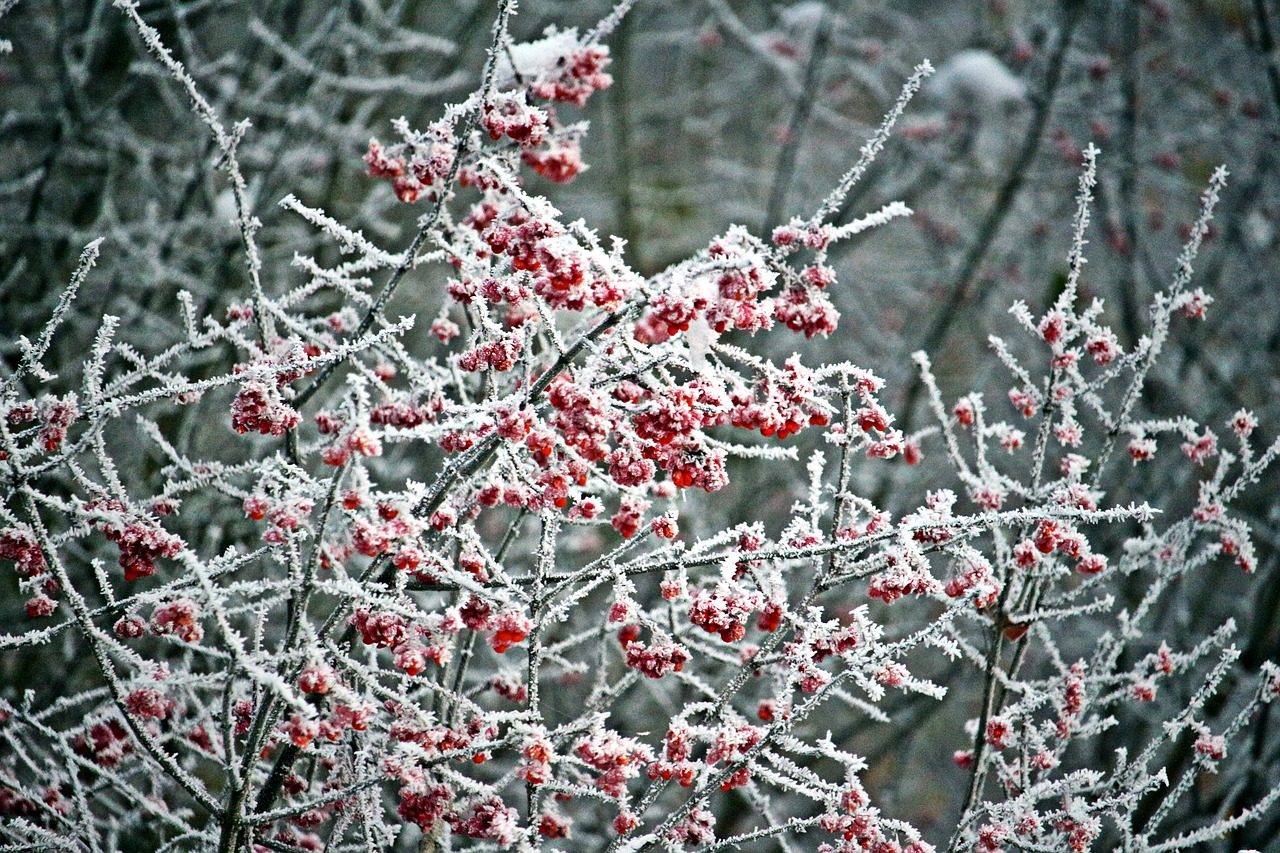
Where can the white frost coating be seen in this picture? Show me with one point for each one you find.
(804, 15)
(802, 20)
(537, 59)
(976, 78)
(892, 210)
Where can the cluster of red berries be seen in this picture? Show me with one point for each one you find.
(19, 545)
(260, 408)
(415, 168)
(140, 540)
(56, 415)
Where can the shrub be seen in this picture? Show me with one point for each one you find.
(327, 576)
